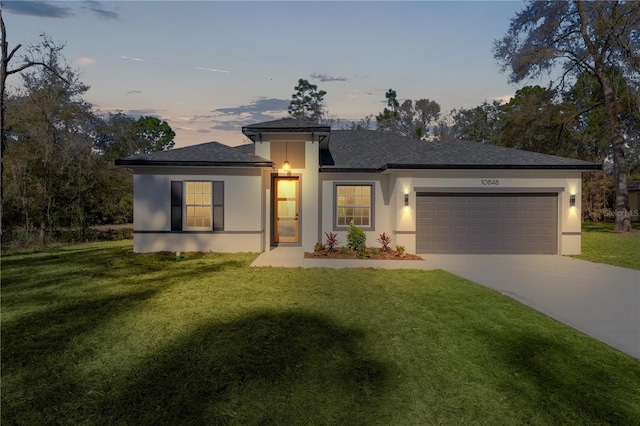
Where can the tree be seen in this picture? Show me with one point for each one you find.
(36, 56)
(307, 102)
(156, 135)
(535, 120)
(119, 135)
(410, 118)
(479, 124)
(48, 141)
(581, 36)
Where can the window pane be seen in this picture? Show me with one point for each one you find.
(206, 187)
(190, 198)
(198, 187)
(198, 199)
(206, 198)
(190, 187)
(353, 202)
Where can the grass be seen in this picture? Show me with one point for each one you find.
(600, 244)
(94, 334)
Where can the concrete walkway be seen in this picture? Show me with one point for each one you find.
(599, 300)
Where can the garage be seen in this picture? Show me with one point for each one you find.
(487, 223)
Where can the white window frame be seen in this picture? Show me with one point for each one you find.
(341, 227)
(194, 204)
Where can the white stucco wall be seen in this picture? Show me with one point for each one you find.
(382, 214)
(392, 217)
(243, 211)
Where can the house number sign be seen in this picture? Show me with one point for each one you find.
(489, 182)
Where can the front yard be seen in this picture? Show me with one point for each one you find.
(94, 334)
(600, 244)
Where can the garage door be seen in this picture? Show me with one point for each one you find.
(487, 223)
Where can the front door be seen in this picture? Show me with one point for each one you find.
(285, 210)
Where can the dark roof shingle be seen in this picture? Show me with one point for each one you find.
(211, 154)
(367, 150)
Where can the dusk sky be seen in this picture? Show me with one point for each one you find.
(210, 67)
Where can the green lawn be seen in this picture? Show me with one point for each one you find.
(600, 244)
(94, 334)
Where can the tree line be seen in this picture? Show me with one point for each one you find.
(57, 151)
(589, 111)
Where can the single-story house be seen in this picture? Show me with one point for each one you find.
(297, 180)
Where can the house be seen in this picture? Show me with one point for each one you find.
(297, 180)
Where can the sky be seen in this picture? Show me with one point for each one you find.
(210, 67)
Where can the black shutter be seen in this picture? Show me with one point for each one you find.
(176, 205)
(218, 206)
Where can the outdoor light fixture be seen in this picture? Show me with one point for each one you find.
(572, 201)
(286, 166)
(406, 200)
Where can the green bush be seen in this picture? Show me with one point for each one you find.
(356, 238)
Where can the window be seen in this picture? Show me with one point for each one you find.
(354, 202)
(197, 206)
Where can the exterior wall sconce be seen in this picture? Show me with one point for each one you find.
(406, 200)
(572, 201)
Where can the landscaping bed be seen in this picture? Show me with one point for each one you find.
(370, 253)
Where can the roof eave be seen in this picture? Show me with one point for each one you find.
(252, 132)
(574, 167)
(129, 163)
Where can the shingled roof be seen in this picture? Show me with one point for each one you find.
(372, 151)
(367, 151)
(284, 125)
(211, 154)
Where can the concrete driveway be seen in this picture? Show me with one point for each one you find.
(600, 300)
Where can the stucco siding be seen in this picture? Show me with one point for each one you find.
(382, 210)
(564, 183)
(243, 211)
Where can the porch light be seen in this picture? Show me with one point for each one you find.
(572, 201)
(406, 200)
(286, 166)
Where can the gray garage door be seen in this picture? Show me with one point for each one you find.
(487, 223)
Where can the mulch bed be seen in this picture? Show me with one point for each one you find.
(374, 254)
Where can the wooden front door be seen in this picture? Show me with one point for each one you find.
(286, 210)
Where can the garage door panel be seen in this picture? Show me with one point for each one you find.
(487, 223)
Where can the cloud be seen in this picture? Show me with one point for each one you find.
(133, 92)
(42, 9)
(259, 106)
(212, 70)
(85, 61)
(354, 94)
(132, 59)
(326, 77)
(97, 9)
(263, 109)
(504, 98)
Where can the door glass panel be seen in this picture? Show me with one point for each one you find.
(286, 211)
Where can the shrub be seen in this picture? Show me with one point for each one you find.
(399, 248)
(344, 250)
(318, 248)
(356, 238)
(332, 241)
(385, 240)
